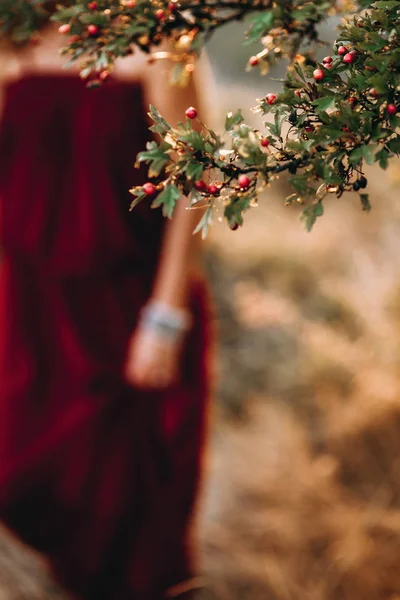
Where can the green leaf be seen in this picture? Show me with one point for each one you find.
(155, 158)
(369, 155)
(194, 171)
(387, 4)
(140, 195)
(261, 23)
(394, 145)
(233, 119)
(310, 215)
(383, 157)
(204, 223)
(161, 125)
(299, 71)
(362, 152)
(325, 103)
(193, 139)
(301, 184)
(275, 127)
(167, 199)
(365, 203)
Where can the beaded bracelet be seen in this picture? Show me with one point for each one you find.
(167, 321)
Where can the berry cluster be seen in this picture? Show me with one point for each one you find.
(331, 119)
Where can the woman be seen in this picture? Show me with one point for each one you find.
(103, 335)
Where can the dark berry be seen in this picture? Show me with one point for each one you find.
(363, 181)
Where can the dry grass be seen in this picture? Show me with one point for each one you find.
(303, 501)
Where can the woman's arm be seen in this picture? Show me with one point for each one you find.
(180, 248)
(152, 360)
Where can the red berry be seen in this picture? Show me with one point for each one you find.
(244, 181)
(391, 109)
(173, 6)
(353, 101)
(213, 189)
(265, 142)
(64, 28)
(327, 59)
(270, 98)
(318, 75)
(234, 227)
(130, 3)
(253, 61)
(191, 112)
(342, 50)
(92, 5)
(328, 65)
(345, 129)
(104, 75)
(73, 39)
(349, 58)
(309, 128)
(200, 185)
(93, 29)
(149, 188)
(298, 93)
(160, 14)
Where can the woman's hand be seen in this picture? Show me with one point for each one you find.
(153, 361)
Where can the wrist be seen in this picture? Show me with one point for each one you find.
(166, 320)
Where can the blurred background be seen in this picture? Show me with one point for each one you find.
(301, 498)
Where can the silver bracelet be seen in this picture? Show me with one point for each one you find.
(167, 321)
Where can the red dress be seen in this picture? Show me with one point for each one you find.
(98, 476)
